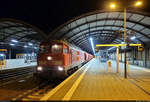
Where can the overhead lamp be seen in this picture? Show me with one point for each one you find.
(30, 44)
(25, 46)
(112, 6)
(92, 44)
(1, 54)
(138, 3)
(111, 48)
(12, 44)
(133, 37)
(13, 40)
(35, 47)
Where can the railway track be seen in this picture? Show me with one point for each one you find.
(37, 92)
(13, 73)
(8, 76)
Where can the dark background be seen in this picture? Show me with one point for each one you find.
(47, 15)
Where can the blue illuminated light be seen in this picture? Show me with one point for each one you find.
(1, 54)
(13, 40)
(25, 46)
(92, 45)
(35, 47)
(30, 44)
(111, 48)
(132, 38)
(12, 44)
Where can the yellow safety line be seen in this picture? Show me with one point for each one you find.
(25, 99)
(31, 96)
(49, 94)
(75, 85)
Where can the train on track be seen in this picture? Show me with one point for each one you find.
(58, 59)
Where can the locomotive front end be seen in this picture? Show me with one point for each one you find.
(50, 61)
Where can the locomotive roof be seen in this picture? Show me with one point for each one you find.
(65, 42)
(70, 45)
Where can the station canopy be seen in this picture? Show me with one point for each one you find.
(103, 27)
(18, 30)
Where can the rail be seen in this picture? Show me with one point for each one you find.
(14, 73)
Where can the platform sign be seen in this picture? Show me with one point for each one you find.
(3, 49)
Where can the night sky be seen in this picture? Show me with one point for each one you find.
(47, 15)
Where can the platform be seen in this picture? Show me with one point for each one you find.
(93, 82)
(16, 63)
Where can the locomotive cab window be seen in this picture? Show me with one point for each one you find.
(65, 50)
(44, 49)
(56, 48)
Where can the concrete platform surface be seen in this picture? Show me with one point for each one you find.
(93, 82)
(16, 63)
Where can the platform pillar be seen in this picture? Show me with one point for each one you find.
(107, 66)
(117, 59)
(127, 66)
(145, 59)
(9, 53)
(133, 55)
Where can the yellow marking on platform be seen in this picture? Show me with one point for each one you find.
(25, 99)
(75, 85)
(30, 96)
(52, 92)
(147, 70)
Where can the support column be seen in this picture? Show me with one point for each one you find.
(9, 53)
(117, 59)
(133, 55)
(121, 56)
(145, 59)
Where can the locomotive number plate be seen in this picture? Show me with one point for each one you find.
(57, 62)
(42, 62)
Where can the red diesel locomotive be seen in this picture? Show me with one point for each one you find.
(59, 59)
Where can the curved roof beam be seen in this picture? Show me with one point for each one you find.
(87, 42)
(66, 29)
(97, 31)
(15, 34)
(11, 26)
(26, 24)
(36, 34)
(81, 39)
(94, 13)
(101, 19)
(95, 34)
(115, 19)
(108, 26)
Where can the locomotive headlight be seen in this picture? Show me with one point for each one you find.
(39, 68)
(60, 68)
(49, 58)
